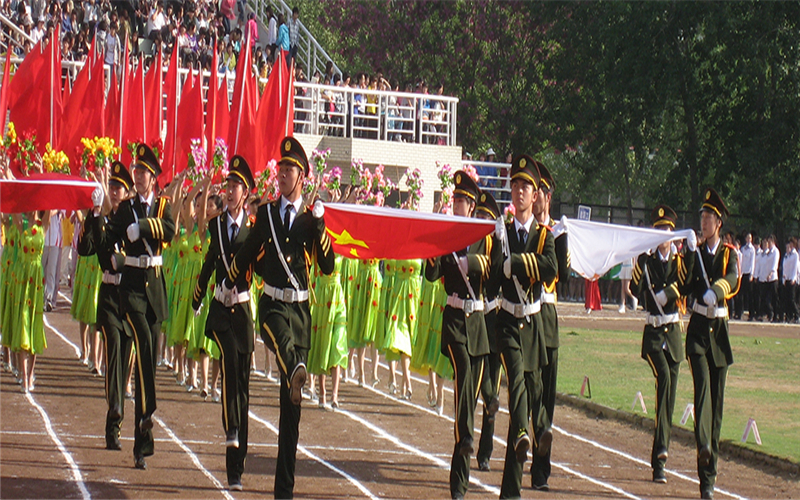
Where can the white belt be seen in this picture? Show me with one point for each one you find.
(710, 312)
(491, 305)
(229, 300)
(468, 306)
(657, 320)
(111, 279)
(144, 261)
(520, 310)
(548, 298)
(288, 295)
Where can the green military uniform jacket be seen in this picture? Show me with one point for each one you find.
(704, 334)
(239, 317)
(457, 326)
(305, 242)
(532, 262)
(663, 276)
(549, 312)
(140, 287)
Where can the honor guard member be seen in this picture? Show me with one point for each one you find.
(540, 467)
(464, 338)
(292, 237)
(230, 319)
(143, 225)
(118, 342)
(656, 275)
(490, 384)
(530, 261)
(713, 278)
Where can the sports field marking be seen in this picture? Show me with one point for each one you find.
(175, 439)
(65, 297)
(302, 449)
(77, 477)
(639, 461)
(62, 337)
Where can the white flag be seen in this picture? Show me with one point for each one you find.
(596, 247)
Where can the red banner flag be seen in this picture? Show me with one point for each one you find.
(365, 232)
(45, 192)
(171, 84)
(153, 90)
(4, 93)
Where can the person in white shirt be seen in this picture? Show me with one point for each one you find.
(51, 259)
(772, 258)
(112, 45)
(272, 29)
(156, 20)
(38, 32)
(748, 262)
(789, 282)
(758, 280)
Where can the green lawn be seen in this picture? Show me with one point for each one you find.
(763, 383)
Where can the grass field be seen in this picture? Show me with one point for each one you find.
(763, 383)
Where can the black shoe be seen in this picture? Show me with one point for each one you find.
(662, 454)
(112, 443)
(659, 477)
(540, 487)
(707, 494)
(545, 441)
(704, 456)
(466, 448)
(492, 408)
(296, 384)
(457, 496)
(235, 484)
(521, 447)
(232, 438)
(145, 424)
(139, 462)
(483, 465)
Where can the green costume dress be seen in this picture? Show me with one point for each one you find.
(199, 343)
(184, 278)
(8, 272)
(29, 306)
(88, 277)
(401, 311)
(428, 345)
(364, 305)
(328, 322)
(170, 259)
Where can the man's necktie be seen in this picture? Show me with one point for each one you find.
(523, 235)
(287, 221)
(234, 231)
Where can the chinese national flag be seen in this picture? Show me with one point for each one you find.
(45, 192)
(365, 232)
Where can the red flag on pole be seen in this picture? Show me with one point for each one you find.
(190, 116)
(243, 106)
(273, 112)
(134, 123)
(112, 109)
(211, 106)
(72, 127)
(153, 110)
(4, 91)
(27, 74)
(222, 112)
(171, 83)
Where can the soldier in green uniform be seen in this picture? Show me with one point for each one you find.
(143, 225)
(540, 467)
(712, 278)
(656, 275)
(292, 236)
(117, 341)
(530, 261)
(490, 385)
(230, 320)
(464, 338)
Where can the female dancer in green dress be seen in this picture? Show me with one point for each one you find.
(88, 276)
(401, 321)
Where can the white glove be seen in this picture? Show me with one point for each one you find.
(197, 311)
(500, 230)
(463, 264)
(319, 209)
(507, 268)
(133, 232)
(710, 298)
(661, 298)
(564, 223)
(97, 197)
(691, 241)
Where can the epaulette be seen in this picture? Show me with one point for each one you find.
(251, 218)
(729, 246)
(549, 228)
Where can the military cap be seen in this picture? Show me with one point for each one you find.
(146, 158)
(713, 203)
(526, 168)
(239, 171)
(546, 180)
(120, 175)
(488, 205)
(465, 186)
(662, 215)
(292, 152)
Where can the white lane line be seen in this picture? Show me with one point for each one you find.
(496, 439)
(639, 461)
(77, 476)
(302, 449)
(65, 298)
(175, 439)
(62, 337)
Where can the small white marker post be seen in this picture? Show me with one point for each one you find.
(751, 426)
(586, 386)
(688, 412)
(640, 399)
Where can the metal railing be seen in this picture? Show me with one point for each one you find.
(493, 179)
(311, 55)
(19, 36)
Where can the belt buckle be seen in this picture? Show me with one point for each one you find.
(469, 307)
(228, 300)
(144, 261)
(519, 310)
(288, 295)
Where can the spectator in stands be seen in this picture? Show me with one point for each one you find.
(24, 18)
(272, 29)
(112, 47)
(80, 49)
(156, 20)
(38, 9)
(283, 40)
(252, 29)
(37, 33)
(294, 32)
(90, 14)
(328, 78)
(124, 29)
(202, 21)
(226, 9)
(67, 26)
(228, 60)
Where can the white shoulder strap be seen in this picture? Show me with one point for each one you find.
(221, 246)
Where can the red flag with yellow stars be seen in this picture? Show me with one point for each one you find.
(365, 232)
